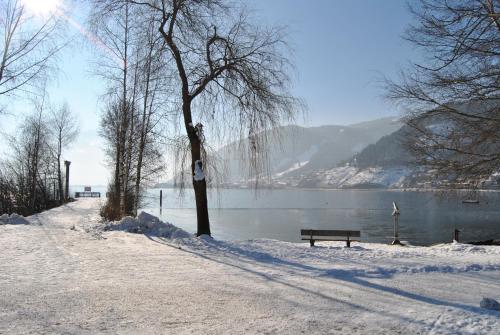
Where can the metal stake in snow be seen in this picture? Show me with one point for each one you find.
(395, 215)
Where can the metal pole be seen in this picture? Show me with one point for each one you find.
(66, 193)
(161, 198)
(396, 240)
(395, 215)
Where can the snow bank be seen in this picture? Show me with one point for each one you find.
(14, 219)
(369, 260)
(490, 303)
(444, 258)
(148, 224)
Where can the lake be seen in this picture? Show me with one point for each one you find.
(426, 217)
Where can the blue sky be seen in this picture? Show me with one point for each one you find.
(341, 50)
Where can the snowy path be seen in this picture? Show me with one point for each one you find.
(59, 275)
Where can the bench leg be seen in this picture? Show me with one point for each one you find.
(311, 242)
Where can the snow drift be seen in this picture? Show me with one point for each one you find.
(147, 224)
(490, 303)
(14, 219)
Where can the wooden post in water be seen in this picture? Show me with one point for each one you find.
(161, 200)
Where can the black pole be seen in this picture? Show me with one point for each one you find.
(66, 193)
(161, 198)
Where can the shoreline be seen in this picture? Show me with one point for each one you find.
(375, 189)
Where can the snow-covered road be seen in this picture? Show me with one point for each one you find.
(61, 275)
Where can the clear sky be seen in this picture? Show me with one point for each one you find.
(342, 49)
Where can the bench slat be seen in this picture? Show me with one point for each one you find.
(350, 233)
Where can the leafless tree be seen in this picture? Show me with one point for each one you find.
(133, 68)
(64, 130)
(230, 74)
(453, 96)
(7, 190)
(151, 86)
(28, 45)
(30, 176)
(29, 163)
(116, 67)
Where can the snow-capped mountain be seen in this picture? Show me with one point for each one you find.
(384, 164)
(301, 152)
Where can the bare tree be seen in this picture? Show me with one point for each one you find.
(116, 33)
(30, 162)
(7, 190)
(64, 130)
(134, 70)
(28, 45)
(110, 131)
(230, 74)
(453, 97)
(151, 82)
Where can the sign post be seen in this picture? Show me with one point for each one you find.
(395, 215)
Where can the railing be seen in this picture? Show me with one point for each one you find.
(87, 194)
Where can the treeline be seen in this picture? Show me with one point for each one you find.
(31, 179)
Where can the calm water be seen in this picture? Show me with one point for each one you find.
(280, 214)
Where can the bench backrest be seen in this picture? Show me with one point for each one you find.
(312, 232)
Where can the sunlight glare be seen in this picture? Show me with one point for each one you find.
(42, 7)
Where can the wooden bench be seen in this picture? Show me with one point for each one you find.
(312, 235)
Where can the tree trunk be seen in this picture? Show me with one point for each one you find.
(200, 193)
(199, 186)
(138, 176)
(199, 182)
(34, 168)
(128, 162)
(146, 114)
(115, 200)
(124, 114)
(137, 188)
(59, 180)
(59, 173)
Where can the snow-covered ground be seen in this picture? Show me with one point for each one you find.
(63, 274)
